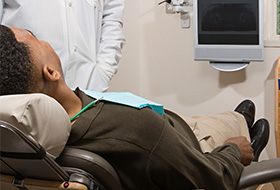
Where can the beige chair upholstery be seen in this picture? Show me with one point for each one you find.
(39, 117)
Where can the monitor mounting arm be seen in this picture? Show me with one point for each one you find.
(182, 7)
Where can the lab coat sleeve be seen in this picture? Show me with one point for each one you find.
(1, 10)
(111, 43)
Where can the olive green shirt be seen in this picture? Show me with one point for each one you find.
(150, 151)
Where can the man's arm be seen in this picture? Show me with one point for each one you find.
(111, 43)
(190, 169)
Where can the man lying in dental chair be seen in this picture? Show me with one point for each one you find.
(148, 150)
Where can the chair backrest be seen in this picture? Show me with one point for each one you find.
(22, 157)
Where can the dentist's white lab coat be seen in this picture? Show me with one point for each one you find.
(86, 34)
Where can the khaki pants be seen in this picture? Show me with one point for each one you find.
(212, 131)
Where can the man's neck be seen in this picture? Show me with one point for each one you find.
(70, 102)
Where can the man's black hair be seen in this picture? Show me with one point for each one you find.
(16, 65)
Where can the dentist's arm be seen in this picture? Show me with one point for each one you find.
(111, 43)
(1, 10)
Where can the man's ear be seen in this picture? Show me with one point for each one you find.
(50, 74)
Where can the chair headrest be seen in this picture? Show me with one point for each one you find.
(39, 117)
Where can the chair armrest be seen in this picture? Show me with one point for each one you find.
(259, 173)
(92, 163)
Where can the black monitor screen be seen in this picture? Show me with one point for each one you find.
(228, 22)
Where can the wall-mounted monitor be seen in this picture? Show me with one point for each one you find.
(228, 32)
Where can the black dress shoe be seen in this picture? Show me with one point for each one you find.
(247, 109)
(259, 134)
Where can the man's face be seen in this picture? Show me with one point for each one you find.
(41, 51)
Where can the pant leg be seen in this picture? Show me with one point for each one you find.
(212, 131)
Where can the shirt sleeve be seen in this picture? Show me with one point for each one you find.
(178, 165)
(111, 42)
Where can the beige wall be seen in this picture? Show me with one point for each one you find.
(158, 64)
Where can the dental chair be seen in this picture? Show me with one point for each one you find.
(30, 161)
(26, 165)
